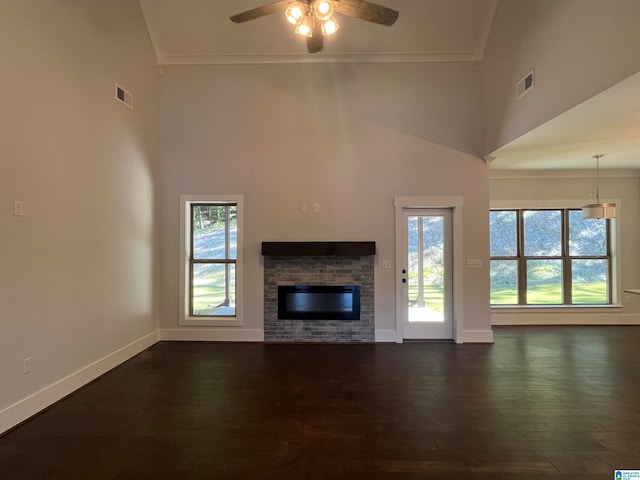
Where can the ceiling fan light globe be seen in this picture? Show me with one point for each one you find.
(330, 27)
(295, 13)
(304, 28)
(323, 9)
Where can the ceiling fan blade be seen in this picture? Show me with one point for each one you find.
(367, 11)
(261, 11)
(315, 42)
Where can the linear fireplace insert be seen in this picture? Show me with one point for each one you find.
(318, 302)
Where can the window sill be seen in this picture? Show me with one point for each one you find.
(212, 322)
(552, 308)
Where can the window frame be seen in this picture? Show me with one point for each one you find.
(186, 262)
(613, 246)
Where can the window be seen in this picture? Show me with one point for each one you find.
(550, 257)
(211, 250)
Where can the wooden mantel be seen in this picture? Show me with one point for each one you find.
(315, 249)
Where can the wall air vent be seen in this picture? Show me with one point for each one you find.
(123, 96)
(525, 85)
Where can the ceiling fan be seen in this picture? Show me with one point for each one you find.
(315, 18)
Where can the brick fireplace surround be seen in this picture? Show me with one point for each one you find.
(319, 269)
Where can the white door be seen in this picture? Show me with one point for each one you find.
(426, 284)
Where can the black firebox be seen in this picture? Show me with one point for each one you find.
(318, 302)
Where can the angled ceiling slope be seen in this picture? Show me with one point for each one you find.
(198, 32)
(608, 123)
(192, 32)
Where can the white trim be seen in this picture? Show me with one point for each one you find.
(548, 318)
(476, 336)
(27, 407)
(285, 58)
(543, 203)
(212, 321)
(211, 335)
(511, 174)
(455, 204)
(385, 336)
(185, 319)
(616, 270)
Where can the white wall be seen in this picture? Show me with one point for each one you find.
(578, 48)
(543, 188)
(77, 277)
(349, 137)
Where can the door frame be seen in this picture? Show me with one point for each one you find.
(417, 203)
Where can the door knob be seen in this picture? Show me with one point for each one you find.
(404, 280)
(404, 271)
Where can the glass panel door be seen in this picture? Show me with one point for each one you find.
(427, 277)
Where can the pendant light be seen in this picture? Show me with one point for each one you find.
(599, 210)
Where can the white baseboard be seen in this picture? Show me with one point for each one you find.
(476, 336)
(211, 335)
(386, 336)
(38, 401)
(559, 318)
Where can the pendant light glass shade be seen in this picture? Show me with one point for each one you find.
(599, 210)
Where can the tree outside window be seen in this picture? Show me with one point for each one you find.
(549, 257)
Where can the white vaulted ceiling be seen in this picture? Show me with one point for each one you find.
(608, 123)
(199, 31)
(187, 32)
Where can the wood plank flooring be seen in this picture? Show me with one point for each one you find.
(541, 403)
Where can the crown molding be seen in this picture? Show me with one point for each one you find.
(286, 58)
(590, 173)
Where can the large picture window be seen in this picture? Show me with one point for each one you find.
(211, 249)
(550, 257)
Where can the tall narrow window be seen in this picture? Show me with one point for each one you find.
(504, 257)
(211, 247)
(212, 279)
(589, 250)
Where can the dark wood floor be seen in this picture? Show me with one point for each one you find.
(541, 403)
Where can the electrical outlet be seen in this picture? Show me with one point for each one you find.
(316, 208)
(303, 208)
(474, 263)
(386, 264)
(26, 366)
(18, 208)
